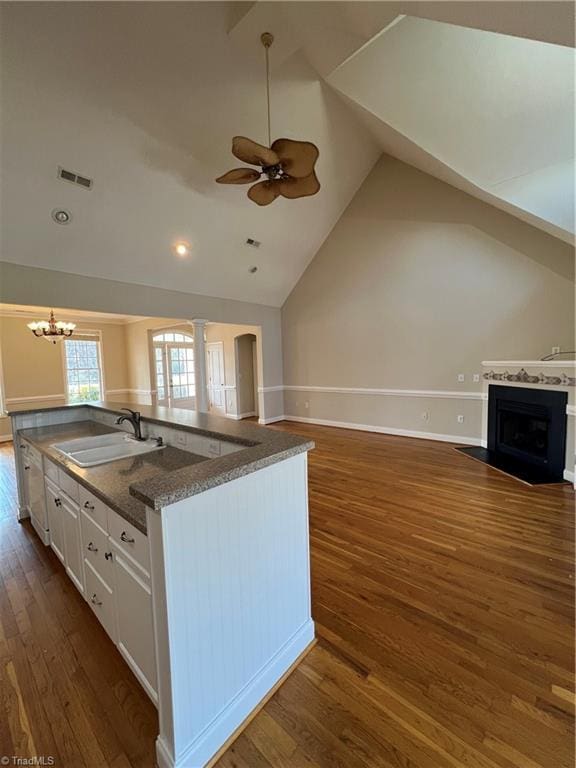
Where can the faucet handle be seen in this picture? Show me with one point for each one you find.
(136, 414)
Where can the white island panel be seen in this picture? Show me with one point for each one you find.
(230, 569)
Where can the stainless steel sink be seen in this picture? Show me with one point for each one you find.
(90, 451)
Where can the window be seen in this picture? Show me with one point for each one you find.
(174, 368)
(83, 369)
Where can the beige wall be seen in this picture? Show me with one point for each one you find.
(32, 367)
(236, 400)
(417, 283)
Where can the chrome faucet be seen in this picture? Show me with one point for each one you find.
(135, 420)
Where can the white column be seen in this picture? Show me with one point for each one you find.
(200, 366)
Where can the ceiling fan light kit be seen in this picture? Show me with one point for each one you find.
(286, 164)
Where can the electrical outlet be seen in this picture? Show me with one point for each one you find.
(460, 419)
(180, 438)
(555, 350)
(476, 378)
(425, 416)
(461, 377)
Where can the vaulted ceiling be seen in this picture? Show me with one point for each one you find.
(145, 97)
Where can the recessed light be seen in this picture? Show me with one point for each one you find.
(61, 216)
(181, 248)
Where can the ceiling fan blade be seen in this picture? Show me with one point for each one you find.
(239, 176)
(250, 152)
(293, 188)
(265, 192)
(296, 157)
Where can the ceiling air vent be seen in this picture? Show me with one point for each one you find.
(75, 178)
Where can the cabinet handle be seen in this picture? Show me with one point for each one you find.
(94, 600)
(91, 547)
(108, 555)
(27, 466)
(124, 537)
(87, 505)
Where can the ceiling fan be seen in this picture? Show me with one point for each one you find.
(286, 164)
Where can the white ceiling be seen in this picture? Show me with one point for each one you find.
(498, 110)
(145, 98)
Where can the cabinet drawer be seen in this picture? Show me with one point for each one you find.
(69, 486)
(93, 507)
(96, 549)
(101, 599)
(51, 470)
(129, 540)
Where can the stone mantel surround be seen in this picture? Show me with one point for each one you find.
(559, 375)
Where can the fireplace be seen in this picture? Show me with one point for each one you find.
(526, 433)
(528, 426)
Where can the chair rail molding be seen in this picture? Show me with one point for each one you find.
(438, 393)
(34, 398)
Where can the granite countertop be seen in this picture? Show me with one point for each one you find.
(161, 478)
(110, 482)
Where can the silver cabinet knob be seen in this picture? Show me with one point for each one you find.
(58, 502)
(87, 505)
(94, 600)
(108, 555)
(124, 537)
(27, 466)
(91, 547)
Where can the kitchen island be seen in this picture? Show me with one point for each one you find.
(193, 556)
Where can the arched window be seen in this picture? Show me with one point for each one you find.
(174, 368)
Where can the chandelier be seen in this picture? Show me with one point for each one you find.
(52, 330)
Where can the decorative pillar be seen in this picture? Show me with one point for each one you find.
(200, 366)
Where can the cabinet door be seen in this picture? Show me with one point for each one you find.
(37, 500)
(54, 510)
(72, 542)
(25, 464)
(134, 622)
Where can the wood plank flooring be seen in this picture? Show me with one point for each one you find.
(444, 606)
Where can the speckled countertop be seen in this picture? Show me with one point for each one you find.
(110, 482)
(163, 477)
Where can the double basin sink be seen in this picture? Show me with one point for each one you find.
(91, 451)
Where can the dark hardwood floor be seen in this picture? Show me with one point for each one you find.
(444, 606)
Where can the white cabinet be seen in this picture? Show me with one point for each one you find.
(54, 510)
(134, 622)
(72, 542)
(34, 490)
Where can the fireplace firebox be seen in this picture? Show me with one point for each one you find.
(526, 433)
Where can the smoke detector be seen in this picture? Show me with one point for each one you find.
(61, 216)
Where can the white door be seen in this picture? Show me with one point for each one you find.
(54, 510)
(174, 369)
(215, 373)
(135, 627)
(72, 542)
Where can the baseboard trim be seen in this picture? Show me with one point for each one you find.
(205, 750)
(460, 439)
(238, 416)
(568, 475)
(228, 743)
(272, 420)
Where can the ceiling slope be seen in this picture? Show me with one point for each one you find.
(145, 99)
(489, 113)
